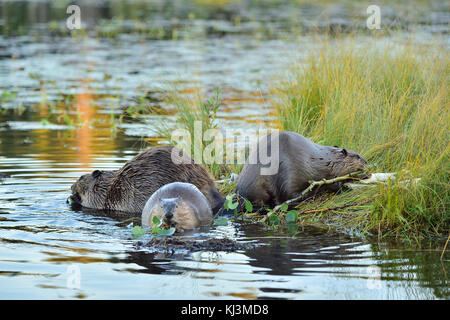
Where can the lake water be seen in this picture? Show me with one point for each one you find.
(132, 50)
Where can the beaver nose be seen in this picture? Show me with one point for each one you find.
(364, 161)
(168, 216)
(169, 206)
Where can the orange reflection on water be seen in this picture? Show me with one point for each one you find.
(82, 103)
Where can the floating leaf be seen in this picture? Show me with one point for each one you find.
(291, 216)
(155, 230)
(221, 221)
(165, 232)
(137, 231)
(284, 207)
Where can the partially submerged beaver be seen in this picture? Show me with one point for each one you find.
(180, 205)
(299, 161)
(129, 188)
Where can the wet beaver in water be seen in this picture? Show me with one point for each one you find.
(129, 188)
(299, 160)
(180, 205)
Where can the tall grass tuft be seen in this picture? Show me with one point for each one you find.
(391, 105)
(196, 114)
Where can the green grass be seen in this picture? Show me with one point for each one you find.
(201, 110)
(389, 104)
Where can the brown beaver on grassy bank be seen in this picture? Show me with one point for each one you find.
(129, 188)
(297, 161)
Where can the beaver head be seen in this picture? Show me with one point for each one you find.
(179, 205)
(174, 212)
(343, 161)
(90, 189)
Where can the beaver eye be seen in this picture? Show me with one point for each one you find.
(344, 152)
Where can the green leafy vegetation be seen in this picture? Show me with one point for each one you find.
(230, 205)
(221, 221)
(158, 230)
(137, 232)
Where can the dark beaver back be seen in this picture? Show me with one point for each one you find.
(140, 177)
(300, 161)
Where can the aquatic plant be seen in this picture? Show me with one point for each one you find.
(221, 221)
(229, 204)
(157, 229)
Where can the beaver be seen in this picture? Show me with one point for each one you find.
(90, 189)
(129, 188)
(178, 204)
(299, 161)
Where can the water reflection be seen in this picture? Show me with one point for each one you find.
(193, 18)
(311, 265)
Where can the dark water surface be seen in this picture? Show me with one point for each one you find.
(60, 117)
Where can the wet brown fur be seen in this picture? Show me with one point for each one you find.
(129, 188)
(300, 161)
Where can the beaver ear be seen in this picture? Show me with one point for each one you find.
(344, 152)
(96, 173)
